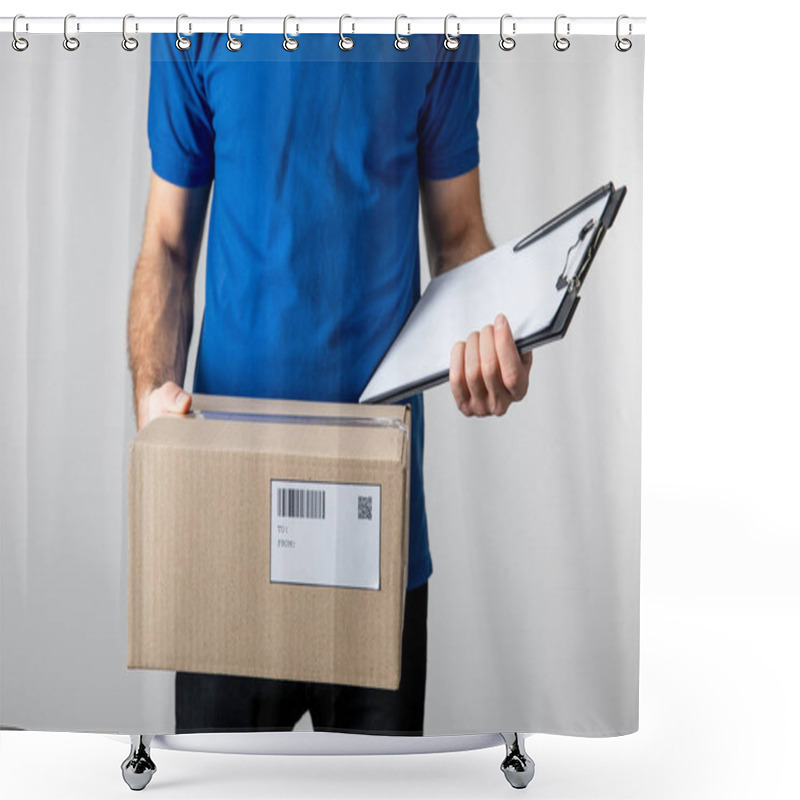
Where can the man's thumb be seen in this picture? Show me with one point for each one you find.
(177, 400)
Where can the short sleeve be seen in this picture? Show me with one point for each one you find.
(179, 121)
(448, 120)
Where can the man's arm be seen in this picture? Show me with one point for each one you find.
(487, 372)
(160, 314)
(453, 219)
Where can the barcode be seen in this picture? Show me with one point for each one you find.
(301, 503)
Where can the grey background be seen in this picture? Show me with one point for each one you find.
(539, 509)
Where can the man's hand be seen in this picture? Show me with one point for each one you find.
(167, 399)
(487, 372)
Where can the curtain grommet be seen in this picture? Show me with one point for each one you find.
(19, 43)
(181, 42)
(290, 44)
(401, 42)
(233, 44)
(70, 43)
(451, 42)
(561, 43)
(345, 42)
(129, 43)
(507, 42)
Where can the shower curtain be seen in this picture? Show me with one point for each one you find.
(525, 499)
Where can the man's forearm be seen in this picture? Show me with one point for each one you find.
(474, 242)
(159, 320)
(454, 228)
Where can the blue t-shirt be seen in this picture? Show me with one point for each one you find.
(313, 248)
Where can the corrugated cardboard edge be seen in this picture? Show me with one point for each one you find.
(258, 405)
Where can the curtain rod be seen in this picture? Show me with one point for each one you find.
(456, 25)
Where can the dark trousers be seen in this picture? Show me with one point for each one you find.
(211, 703)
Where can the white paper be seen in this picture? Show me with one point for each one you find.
(325, 534)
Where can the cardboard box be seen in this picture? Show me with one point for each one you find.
(270, 538)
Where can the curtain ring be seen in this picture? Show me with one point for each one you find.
(400, 42)
(507, 42)
(181, 42)
(623, 45)
(561, 43)
(18, 43)
(129, 43)
(70, 42)
(345, 42)
(233, 44)
(451, 42)
(289, 44)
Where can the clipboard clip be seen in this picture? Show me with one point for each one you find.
(570, 277)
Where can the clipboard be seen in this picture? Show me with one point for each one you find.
(534, 281)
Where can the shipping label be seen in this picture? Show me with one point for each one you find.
(325, 534)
